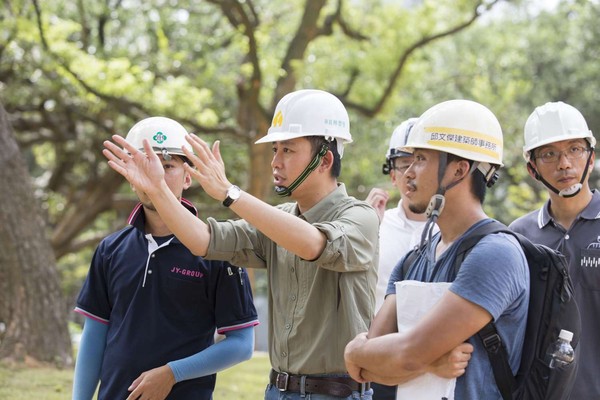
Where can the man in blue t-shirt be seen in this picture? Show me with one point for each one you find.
(152, 307)
(457, 148)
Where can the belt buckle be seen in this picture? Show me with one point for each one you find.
(281, 381)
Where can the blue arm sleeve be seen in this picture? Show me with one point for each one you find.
(237, 346)
(89, 359)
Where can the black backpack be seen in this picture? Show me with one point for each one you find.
(552, 307)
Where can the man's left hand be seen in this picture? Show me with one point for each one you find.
(154, 384)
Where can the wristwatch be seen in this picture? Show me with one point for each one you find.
(233, 193)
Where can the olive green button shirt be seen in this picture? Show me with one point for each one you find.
(315, 307)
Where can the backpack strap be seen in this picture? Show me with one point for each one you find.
(408, 261)
(488, 335)
(505, 380)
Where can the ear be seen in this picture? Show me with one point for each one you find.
(326, 162)
(592, 161)
(393, 176)
(187, 180)
(462, 169)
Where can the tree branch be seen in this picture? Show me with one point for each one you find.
(396, 73)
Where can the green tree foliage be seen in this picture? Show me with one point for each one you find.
(72, 73)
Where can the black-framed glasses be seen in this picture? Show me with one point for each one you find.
(552, 156)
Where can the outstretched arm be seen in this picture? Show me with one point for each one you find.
(144, 171)
(288, 231)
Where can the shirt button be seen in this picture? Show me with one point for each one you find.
(283, 354)
(149, 271)
(287, 326)
(293, 297)
(293, 269)
(567, 236)
(153, 255)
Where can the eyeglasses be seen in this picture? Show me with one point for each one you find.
(572, 153)
(402, 169)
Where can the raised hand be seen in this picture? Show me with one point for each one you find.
(378, 198)
(143, 170)
(209, 168)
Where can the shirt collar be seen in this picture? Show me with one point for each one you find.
(329, 202)
(137, 218)
(590, 212)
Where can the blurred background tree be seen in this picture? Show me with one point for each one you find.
(72, 73)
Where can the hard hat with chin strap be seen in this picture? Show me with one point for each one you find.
(464, 128)
(554, 122)
(166, 136)
(309, 112)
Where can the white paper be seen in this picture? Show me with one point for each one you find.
(413, 300)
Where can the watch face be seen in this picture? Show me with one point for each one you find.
(234, 192)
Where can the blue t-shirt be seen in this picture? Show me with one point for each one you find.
(161, 303)
(495, 276)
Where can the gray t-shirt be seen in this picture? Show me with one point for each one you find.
(495, 276)
(581, 245)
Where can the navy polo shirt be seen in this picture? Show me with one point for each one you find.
(581, 246)
(161, 304)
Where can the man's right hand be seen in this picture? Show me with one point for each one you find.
(144, 171)
(454, 363)
(378, 199)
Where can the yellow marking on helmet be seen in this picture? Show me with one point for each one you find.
(463, 139)
(277, 119)
(463, 146)
(463, 132)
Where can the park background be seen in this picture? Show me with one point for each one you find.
(74, 72)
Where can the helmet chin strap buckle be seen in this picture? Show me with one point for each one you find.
(282, 191)
(436, 205)
(571, 191)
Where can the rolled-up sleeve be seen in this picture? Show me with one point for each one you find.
(235, 241)
(352, 240)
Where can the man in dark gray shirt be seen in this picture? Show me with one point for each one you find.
(559, 150)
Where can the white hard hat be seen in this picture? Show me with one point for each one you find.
(553, 122)
(399, 138)
(464, 128)
(309, 112)
(165, 135)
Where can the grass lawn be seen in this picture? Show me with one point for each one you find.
(244, 381)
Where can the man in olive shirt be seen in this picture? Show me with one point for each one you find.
(320, 251)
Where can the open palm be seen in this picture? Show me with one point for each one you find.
(143, 170)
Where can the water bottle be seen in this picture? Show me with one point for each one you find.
(561, 352)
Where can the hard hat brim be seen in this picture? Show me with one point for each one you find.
(283, 136)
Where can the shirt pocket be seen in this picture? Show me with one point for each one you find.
(589, 269)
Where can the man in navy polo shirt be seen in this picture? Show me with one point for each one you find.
(152, 307)
(559, 151)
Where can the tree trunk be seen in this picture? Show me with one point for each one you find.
(32, 312)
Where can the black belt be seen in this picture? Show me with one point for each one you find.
(333, 386)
